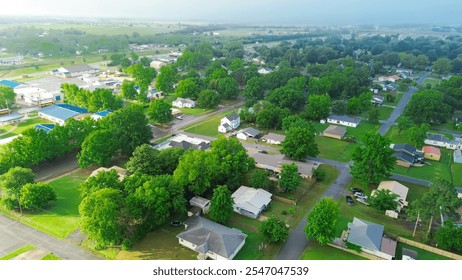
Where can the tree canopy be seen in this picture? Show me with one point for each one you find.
(221, 205)
(274, 230)
(300, 143)
(322, 220)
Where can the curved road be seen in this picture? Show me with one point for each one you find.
(297, 241)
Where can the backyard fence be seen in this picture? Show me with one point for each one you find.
(283, 200)
(429, 248)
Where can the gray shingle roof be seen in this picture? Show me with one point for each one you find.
(251, 199)
(344, 119)
(406, 148)
(438, 137)
(365, 234)
(404, 156)
(79, 68)
(213, 237)
(232, 117)
(275, 137)
(252, 132)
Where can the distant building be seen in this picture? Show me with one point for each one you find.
(184, 103)
(391, 79)
(249, 132)
(10, 84)
(273, 138)
(156, 64)
(61, 112)
(265, 70)
(99, 115)
(185, 142)
(10, 119)
(47, 127)
(442, 141)
(75, 70)
(343, 120)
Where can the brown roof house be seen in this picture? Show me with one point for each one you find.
(211, 240)
(369, 236)
(334, 131)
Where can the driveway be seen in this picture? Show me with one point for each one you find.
(15, 235)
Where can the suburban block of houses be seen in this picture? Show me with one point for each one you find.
(343, 120)
(369, 236)
(442, 141)
(210, 239)
(250, 202)
(273, 138)
(229, 123)
(184, 103)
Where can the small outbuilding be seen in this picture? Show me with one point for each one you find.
(432, 153)
(334, 131)
(250, 202)
(201, 203)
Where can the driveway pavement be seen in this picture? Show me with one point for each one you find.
(14, 235)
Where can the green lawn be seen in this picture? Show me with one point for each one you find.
(450, 125)
(360, 131)
(195, 111)
(441, 169)
(385, 112)
(62, 218)
(395, 137)
(431, 81)
(334, 149)
(18, 252)
(421, 254)
(456, 169)
(397, 96)
(50, 257)
(314, 251)
(160, 244)
(22, 126)
(209, 126)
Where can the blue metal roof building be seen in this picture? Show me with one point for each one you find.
(104, 113)
(8, 83)
(9, 119)
(61, 112)
(47, 127)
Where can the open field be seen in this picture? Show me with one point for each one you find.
(62, 217)
(334, 149)
(315, 251)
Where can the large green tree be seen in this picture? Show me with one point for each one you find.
(36, 196)
(228, 88)
(7, 96)
(318, 107)
(11, 184)
(160, 111)
(128, 90)
(166, 78)
(221, 205)
(300, 143)
(449, 237)
(100, 217)
(187, 88)
(260, 179)
(428, 106)
(417, 134)
(322, 221)
(98, 148)
(208, 99)
(442, 65)
(289, 178)
(102, 180)
(373, 160)
(274, 230)
(384, 200)
(287, 97)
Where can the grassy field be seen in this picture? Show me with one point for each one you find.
(334, 149)
(441, 169)
(18, 252)
(209, 126)
(421, 254)
(22, 126)
(195, 111)
(395, 137)
(456, 169)
(360, 131)
(385, 112)
(397, 96)
(62, 218)
(314, 251)
(433, 82)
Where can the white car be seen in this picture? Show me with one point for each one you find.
(360, 195)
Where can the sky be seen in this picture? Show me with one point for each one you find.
(310, 12)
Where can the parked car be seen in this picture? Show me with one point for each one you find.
(349, 200)
(360, 195)
(176, 223)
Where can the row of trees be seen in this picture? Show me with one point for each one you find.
(98, 100)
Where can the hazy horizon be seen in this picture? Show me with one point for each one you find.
(309, 12)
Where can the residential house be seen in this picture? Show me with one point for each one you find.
(59, 113)
(265, 70)
(249, 132)
(250, 202)
(202, 203)
(210, 239)
(75, 70)
(391, 79)
(404, 73)
(334, 131)
(442, 141)
(432, 153)
(396, 188)
(343, 120)
(377, 100)
(154, 94)
(273, 138)
(229, 123)
(184, 103)
(406, 155)
(274, 163)
(99, 115)
(185, 142)
(369, 236)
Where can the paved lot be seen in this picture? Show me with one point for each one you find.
(14, 235)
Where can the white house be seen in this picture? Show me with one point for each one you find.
(265, 70)
(343, 120)
(442, 141)
(229, 123)
(273, 138)
(211, 240)
(250, 202)
(184, 103)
